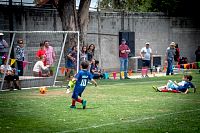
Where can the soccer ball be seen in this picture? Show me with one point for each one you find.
(43, 90)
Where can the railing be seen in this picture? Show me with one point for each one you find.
(18, 2)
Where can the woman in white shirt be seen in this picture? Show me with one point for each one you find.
(39, 70)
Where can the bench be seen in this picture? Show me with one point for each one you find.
(30, 81)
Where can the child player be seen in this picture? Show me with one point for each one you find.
(175, 87)
(81, 79)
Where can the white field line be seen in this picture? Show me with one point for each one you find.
(134, 83)
(129, 121)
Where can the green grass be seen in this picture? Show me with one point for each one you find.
(113, 106)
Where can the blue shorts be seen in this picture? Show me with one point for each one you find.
(172, 85)
(77, 92)
(70, 64)
(146, 63)
(75, 95)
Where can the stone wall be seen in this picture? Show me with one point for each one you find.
(104, 28)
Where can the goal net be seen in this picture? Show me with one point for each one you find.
(32, 41)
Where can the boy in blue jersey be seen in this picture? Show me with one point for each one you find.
(81, 79)
(175, 87)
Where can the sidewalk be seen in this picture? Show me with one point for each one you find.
(139, 75)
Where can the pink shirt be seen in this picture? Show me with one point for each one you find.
(121, 48)
(50, 55)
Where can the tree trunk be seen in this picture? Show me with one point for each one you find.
(67, 12)
(72, 20)
(83, 20)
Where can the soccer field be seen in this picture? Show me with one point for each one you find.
(114, 106)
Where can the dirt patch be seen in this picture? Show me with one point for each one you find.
(49, 93)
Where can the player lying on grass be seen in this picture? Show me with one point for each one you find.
(181, 87)
(81, 79)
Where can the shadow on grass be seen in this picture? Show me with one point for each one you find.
(87, 108)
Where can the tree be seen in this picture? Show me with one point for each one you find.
(71, 18)
(170, 7)
(127, 5)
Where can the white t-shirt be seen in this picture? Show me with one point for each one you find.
(39, 65)
(8, 68)
(182, 83)
(146, 52)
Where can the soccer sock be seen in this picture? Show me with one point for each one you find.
(79, 100)
(165, 90)
(73, 102)
(175, 91)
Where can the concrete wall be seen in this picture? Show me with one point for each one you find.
(103, 31)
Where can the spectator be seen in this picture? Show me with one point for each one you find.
(146, 55)
(50, 53)
(20, 56)
(169, 58)
(3, 46)
(197, 53)
(41, 52)
(39, 70)
(83, 54)
(124, 50)
(71, 62)
(90, 52)
(177, 54)
(95, 70)
(10, 76)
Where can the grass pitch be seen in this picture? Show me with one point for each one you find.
(114, 106)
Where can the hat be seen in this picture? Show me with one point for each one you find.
(172, 44)
(147, 43)
(1, 34)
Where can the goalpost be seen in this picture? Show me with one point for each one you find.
(32, 40)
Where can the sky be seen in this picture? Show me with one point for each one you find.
(93, 3)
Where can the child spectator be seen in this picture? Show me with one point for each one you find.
(71, 62)
(182, 86)
(81, 80)
(41, 52)
(20, 56)
(39, 70)
(90, 51)
(10, 76)
(94, 69)
(83, 54)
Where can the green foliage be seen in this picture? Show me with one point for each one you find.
(113, 106)
(171, 7)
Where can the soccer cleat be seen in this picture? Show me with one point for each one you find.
(84, 104)
(155, 88)
(73, 107)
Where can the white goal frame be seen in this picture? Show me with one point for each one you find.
(47, 32)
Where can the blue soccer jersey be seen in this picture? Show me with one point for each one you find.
(186, 86)
(82, 79)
